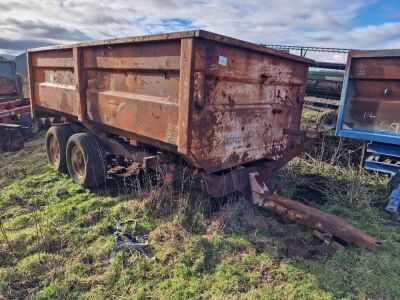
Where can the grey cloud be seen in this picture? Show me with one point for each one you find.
(41, 29)
(21, 45)
(5, 7)
(105, 19)
(304, 22)
(15, 5)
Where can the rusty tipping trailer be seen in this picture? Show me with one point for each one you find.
(225, 111)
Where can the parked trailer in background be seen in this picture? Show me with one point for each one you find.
(325, 84)
(370, 111)
(223, 111)
(323, 90)
(9, 83)
(15, 118)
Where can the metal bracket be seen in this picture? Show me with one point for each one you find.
(257, 190)
(326, 224)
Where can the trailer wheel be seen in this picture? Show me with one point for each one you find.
(86, 160)
(327, 120)
(56, 145)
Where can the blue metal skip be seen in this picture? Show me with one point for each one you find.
(370, 110)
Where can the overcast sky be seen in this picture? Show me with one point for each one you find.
(363, 24)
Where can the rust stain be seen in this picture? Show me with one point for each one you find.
(216, 101)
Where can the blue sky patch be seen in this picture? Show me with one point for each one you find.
(378, 12)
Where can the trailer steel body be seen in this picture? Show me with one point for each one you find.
(191, 101)
(216, 101)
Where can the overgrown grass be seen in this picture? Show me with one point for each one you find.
(59, 248)
(309, 118)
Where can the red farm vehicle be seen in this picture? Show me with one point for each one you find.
(16, 123)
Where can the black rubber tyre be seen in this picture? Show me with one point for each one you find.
(56, 145)
(327, 120)
(33, 125)
(86, 160)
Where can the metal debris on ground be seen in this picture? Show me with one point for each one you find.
(47, 180)
(126, 237)
(329, 225)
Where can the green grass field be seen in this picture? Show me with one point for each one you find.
(58, 247)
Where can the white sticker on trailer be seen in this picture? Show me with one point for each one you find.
(222, 60)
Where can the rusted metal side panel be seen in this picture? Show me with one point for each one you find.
(139, 114)
(52, 81)
(154, 56)
(80, 83)
(243, 101)
(375, 93)
(370, 102)
(135, 88)
(216, 101)
(185, 94)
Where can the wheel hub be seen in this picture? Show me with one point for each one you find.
(54, 148)
(77, 162)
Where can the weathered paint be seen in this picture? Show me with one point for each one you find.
(370, 103)
(216, 101)
(247, 103)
